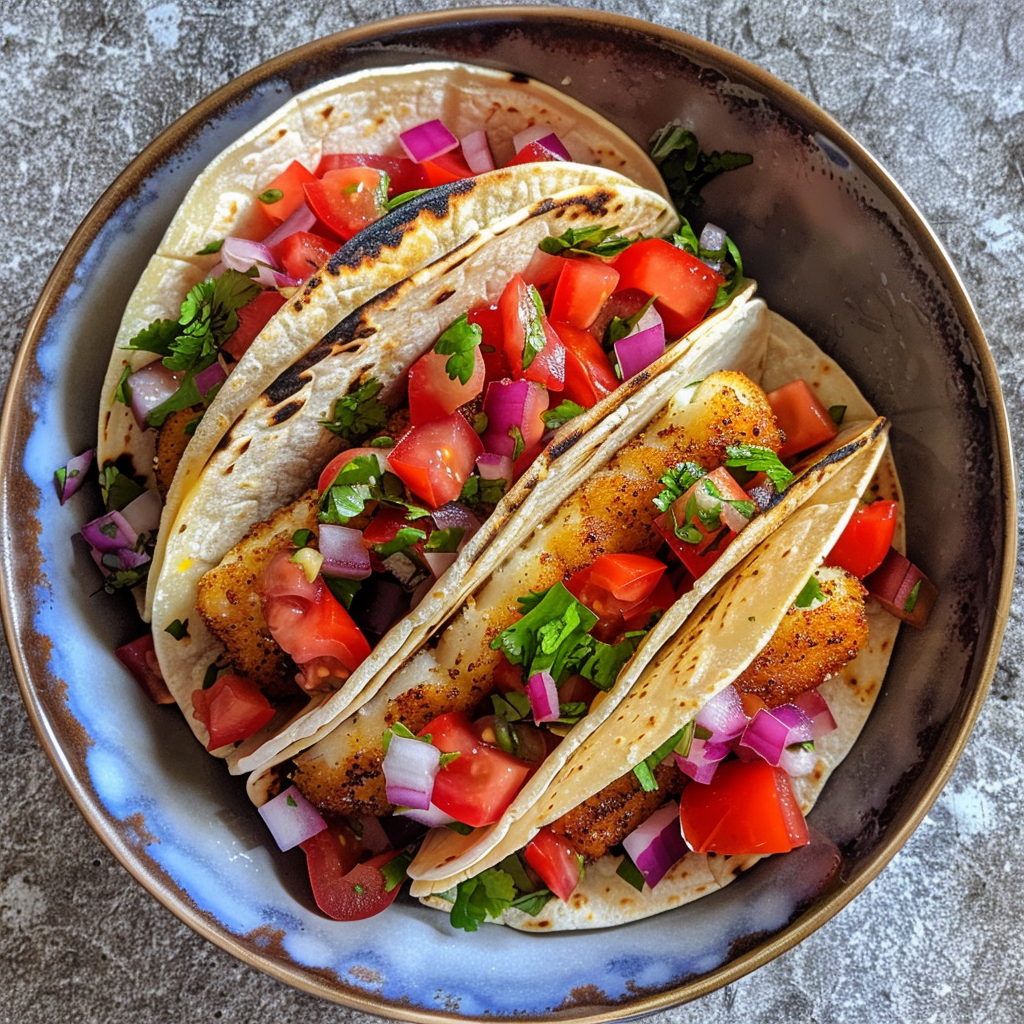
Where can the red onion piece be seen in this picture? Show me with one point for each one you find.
(796, 721)
(798, 762)
(814, 705)
(372, 835)
(453, 515)
(151, 386)
(74, 475)
(494, 467)
(477, 151)
(291, 818)
(302, 219)
(110, 532)
(242, 254)
(893, 583)
(139, 657)
(508, 404)
(427, 141)
(209, 378)
(766, 736)
(344, 552)
(432, 817)
(143, 513)
(553, 144)
(723, 716)
(643, 346)
(409, 770)
(543, 696)
(657, 844)
(537, 133)
(439, 561)
(702, 760)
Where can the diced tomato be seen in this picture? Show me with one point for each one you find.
(708, 541)
(589, 375)
(309, 623)
(341, 460)
(231, 710)
(685, 287)
(623, 304)
(384, 527)
(433, 395)
(801, 417)
(865, 542)
(629, 577)
(533, 153)
(658, 601)
(492, 344)
(290, 183)
(520, 318)
(139, 657)
(435, 459)
(555, 859)
(346, 200)
(748, 807)
(477, 786)
(345, 891)
(446, 167)
(252, 318)
(404, 175)
(303, 252)
(583, 288)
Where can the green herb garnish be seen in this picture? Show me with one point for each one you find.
(811, 595)
(589, 241)
(685, 167)
(758, 459)
(561, 414)
(358, 414)
(177, 629)
(271, 196)
(459, 342)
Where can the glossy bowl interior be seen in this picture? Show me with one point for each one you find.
(834, 245)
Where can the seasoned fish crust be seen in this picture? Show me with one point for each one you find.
(811, 644)
(612, 512)
(230, 605)
(171, 440)
(606, 818)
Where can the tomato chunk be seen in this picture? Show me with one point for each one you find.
(476, 787)
(532, 153)
(685, 287)
(290, 183)
(555, 859)
(404, 175)
(583, 288)
(433, 395)
(345, 891)
(303, 252)
(589, 374)
(445, 168)
(629, 577)
(435, 459)
(747, 807)
(252, 318)
(865, 542)
(801, 417)
(232, 709)
(525, 328)
(346, 200)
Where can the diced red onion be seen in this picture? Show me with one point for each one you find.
(409, 770)
(657, 844)
(379, 604)
(344, 552)
(543, 696)
(302, 219)
(74, 474)
(372, 835)
(766, 736)
(243, 254)
(143, 513)
(544, 135)
(732, 517)
(723, 716)
(892, 584)
(439, 561)
(494, 467)
(702, 760)
(151, 386)
(712, 239)
(139, 657)
(452, 515)
(209, 378)
(508, 404)
(643, 346)
(291, 818)
(109, 532)
(553, 144)
(432, 817)
(427, 141)
(477, 151)
(798, 723)
(814, 705)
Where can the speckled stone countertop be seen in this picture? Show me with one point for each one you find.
(935, 89)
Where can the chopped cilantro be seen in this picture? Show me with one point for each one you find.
(404, 197)
(561, 414)
(459, 342)
(478, 491)
(811, 596)
(676, 482)
(117, 488)
(837, 413)
(272, 195)
(518, 444)
(382, 442)
(644, 771)
(358, 414)
(343, 589)
(123, 391)
(513, 706)
(757, 459)
(589, 241)
(301, 538)
(685, 167)
(177, 629)
(630, 873)
(210, 248)
(911, 602)
(485, 895)
(460, 826)
(360, 481)
(400, 729)
(535, 338)
(394, 870)
(406, 537)
(445, 541)
(619, 328)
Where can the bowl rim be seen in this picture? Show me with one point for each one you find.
(145, 871)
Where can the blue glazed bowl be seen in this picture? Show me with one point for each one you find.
(859, 270)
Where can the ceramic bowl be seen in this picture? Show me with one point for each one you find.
(834, 245)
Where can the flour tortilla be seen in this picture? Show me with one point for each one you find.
(363, 112)
(276, 449)
(707, 649)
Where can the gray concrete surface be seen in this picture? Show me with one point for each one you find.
(935, 89)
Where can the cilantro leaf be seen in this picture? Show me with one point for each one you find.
(676, 482)
(117, 488)
(589, 241)
(404, 197)
(445, 541)
(394, 870)
(685, 167)
(485, 895)
(343, 589)
(123, 391)
(629, 872)
(518, 443)
(757, 459)
(406, 537)
(177, 629)
(358, 414)
(601, 663)
(726, 260)
(911, 602)
(477, 491)
(811, 596)
(459, 341)
(644, 771)
(837, 413)
(561, 414)
(533, 316)
(619, 328)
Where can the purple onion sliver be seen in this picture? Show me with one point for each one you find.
(110, 532)
(543, 696)
(723, 715)
(427, 141)
(477, 151)
(657, 844)
(209, 378)
(534, 133)
(452, 515)
(646, 345)
(766, 736)
(553, 144)
(301, 220)
(344, 552)
(74, 474)
(816, 708)
(491, 466)
(794, 718)
(432, 817)
(291, 818)
(151, 386)
(409, 767)
(439, 561)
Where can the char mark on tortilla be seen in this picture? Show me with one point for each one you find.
(594, 200)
